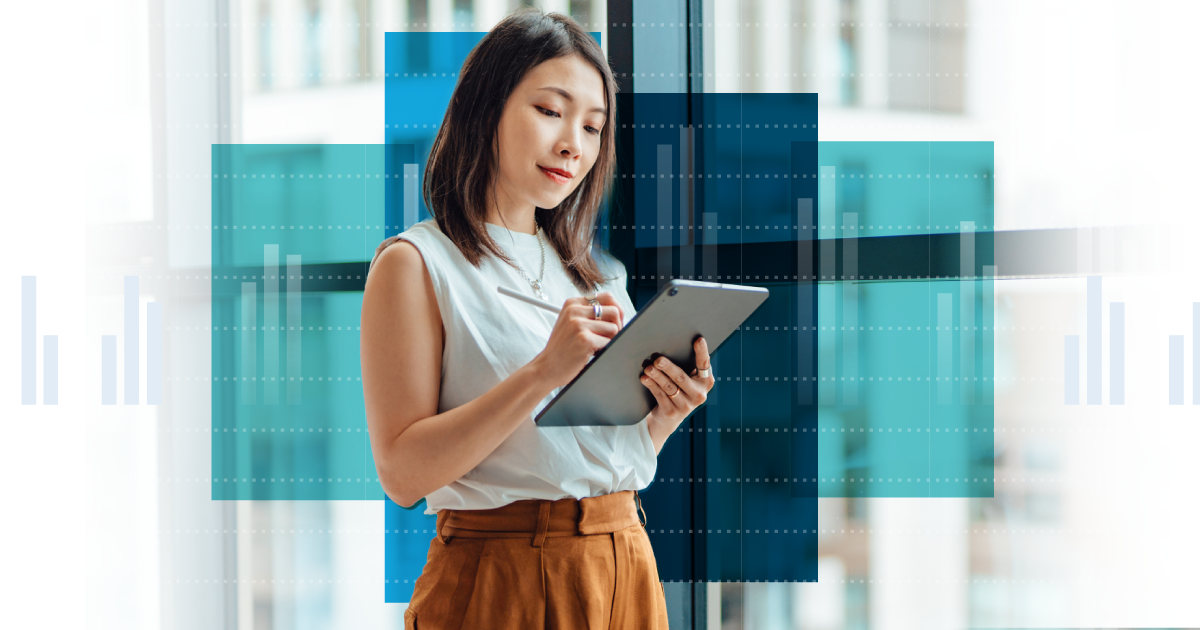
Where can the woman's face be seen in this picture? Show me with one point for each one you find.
(552, 120)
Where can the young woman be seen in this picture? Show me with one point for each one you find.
(536, 528)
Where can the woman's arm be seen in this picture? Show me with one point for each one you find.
(416, 449)
(659, 432)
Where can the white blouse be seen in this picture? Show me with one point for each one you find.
(488, 337)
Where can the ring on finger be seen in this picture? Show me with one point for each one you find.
(596, 311)
(675, 394)
(705, 373)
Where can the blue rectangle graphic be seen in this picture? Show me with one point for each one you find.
(28, 340)
(131, 340)
(1094, 348)
(1116, 353)
(154, 346)
(50, 377)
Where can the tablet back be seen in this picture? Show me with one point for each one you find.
(607, 391)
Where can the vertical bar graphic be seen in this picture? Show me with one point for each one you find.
(687, 254)
(154, 350)
(1071, 370)
(850, 308)
(249, 371)
(1116, 353)
(711, 270)
(989, 321)
(1176, 362)
(945, 347)
(966, 308)
(131, 340)
(108, 369)
(271, 324)
(827, 309)
(1094, 348)
(410, 195)
(805, 294)
(294, 322)
(1196, 353)
(709, 254)
(664, 219)
(50, 366)
(28, 340)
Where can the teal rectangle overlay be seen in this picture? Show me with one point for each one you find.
(292, 227)
(905, 365)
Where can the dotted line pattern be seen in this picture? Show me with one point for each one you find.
(654, 175)
(827, 532)
(331, 24)
(1089, 430)
(857, 379)
(739, 480)
(662, 75)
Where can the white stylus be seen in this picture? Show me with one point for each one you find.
(532, 300)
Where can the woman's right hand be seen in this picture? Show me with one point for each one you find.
(577, 335)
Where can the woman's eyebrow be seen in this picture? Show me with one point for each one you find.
(567, 95)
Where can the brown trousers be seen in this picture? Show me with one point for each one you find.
(541, 565)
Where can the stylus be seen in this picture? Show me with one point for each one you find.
(532, 300)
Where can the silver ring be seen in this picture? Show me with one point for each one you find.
(705, 373)
(596, 311)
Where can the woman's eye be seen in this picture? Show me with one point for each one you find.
(592, 130)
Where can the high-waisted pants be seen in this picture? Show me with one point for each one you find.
(541, 565)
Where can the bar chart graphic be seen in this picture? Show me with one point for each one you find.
(1175, 362)
(1075, 371)
(29, 350)
(132, 368)
(251, 379)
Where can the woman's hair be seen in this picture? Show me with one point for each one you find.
(459, 177)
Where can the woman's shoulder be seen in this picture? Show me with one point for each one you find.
(425, 236)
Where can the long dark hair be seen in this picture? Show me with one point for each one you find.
(459, 177)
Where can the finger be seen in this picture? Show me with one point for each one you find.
(607, 313)
(664, 401)
(608, 330)
(703, 360)
(607, 299)
(686, 383)
(667, 385)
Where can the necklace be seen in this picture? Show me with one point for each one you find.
(536, 284)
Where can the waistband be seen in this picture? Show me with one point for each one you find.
(541, 518)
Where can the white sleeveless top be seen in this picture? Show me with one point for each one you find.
(488, 337)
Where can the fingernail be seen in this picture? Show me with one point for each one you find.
(661, 362)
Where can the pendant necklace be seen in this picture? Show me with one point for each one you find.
(536, 284)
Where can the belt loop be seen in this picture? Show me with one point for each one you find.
(543, 523)
(442, 515)
(638, 498)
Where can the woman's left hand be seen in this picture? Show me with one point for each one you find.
(677, 393)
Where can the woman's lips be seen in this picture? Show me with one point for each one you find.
(555, 176)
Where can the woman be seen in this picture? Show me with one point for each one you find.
(536, 528)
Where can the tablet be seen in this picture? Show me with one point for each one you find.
(607, 392)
